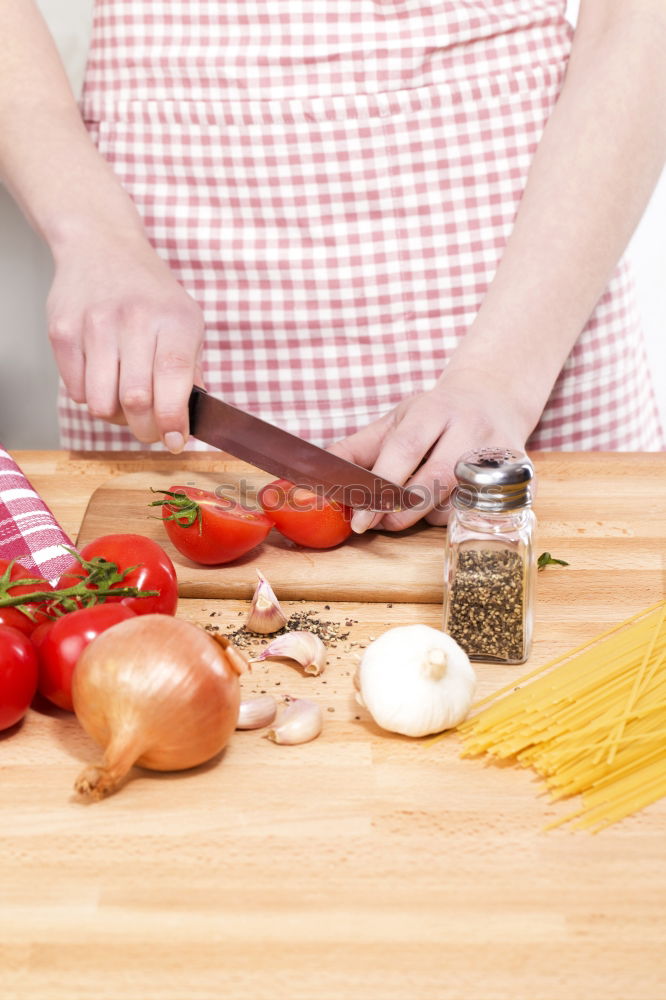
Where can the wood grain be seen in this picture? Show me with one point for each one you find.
(361, 865)
(383, 566)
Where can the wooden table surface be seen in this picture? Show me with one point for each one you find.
(361, 866)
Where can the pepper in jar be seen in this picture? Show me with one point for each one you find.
(489, 560)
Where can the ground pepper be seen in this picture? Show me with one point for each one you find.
(489, 565)
(487, 604)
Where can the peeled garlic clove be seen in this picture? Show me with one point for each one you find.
(357, 685)
(304, 647)
(300, 721)
(265, 616)
(255, 713)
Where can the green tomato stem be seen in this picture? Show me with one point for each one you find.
(99, 581)
(184, 510)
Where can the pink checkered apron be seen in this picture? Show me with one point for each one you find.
(334, 182)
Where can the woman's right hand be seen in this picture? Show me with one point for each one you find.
(125, 334)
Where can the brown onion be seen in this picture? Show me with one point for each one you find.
(155, 691)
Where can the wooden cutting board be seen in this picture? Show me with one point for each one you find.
(376, 566)
(583, 502)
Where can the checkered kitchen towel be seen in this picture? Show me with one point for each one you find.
(29, 532)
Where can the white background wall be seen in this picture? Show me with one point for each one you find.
(28, 378)
(27, 373)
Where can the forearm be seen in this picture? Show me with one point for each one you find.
(47, 160)
(600, 157)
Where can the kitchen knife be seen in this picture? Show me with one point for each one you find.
(286, 456)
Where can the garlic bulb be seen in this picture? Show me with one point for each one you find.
(155, 691)
(302, 646)
(265, 615)
(415, 680)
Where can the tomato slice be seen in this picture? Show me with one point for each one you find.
(304, 517)
(210, 529)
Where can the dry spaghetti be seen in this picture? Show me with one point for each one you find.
(590, 723)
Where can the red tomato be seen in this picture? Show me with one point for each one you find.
(304, 517)
(60, 645)
(38, 634)
(18, 675)
(12, 616)
(209, 529)
(154, 571)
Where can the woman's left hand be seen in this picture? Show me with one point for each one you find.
(419, 442)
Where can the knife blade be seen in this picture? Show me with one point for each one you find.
(286, 456)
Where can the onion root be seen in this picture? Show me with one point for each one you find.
(96, 781)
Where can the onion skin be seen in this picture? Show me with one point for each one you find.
(158, 692)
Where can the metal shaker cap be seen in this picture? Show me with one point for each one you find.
(493, 480)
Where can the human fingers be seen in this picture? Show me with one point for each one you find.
(177, 368)
(100, 349)
(362, 448)
(198, 371)
(135, 390)
(434, 480)
(65, 337)
(402, 451)
(436, 477)
(67, 344)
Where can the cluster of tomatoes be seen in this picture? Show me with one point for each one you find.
(38, 652)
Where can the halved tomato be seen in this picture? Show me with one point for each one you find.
(305, 517)
(210, 529)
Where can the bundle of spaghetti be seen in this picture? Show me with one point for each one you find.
(591, 722)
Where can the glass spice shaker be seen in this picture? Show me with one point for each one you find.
(490, 567)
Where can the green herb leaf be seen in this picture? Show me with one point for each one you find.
(545, 559)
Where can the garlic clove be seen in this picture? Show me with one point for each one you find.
(357, 685)
(304, 647)
(300, 721)
(255, 713)
(265, 615)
